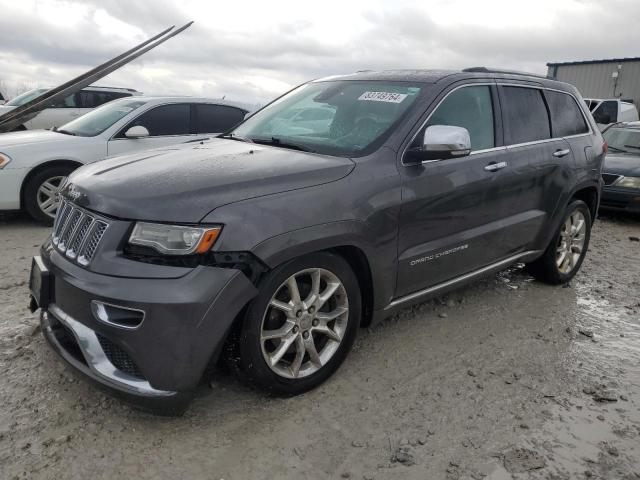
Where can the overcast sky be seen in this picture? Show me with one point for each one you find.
(254, 50)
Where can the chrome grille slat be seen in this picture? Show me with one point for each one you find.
(91, 245)
(84, 226)
(61, 220)
(69, 228)
(77, 233)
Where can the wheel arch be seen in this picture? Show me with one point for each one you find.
(38, 168)
(589, 195)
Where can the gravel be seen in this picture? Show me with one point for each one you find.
(488, 382)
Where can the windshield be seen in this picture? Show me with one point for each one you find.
(26, 97)
(622, 139)
(342, 118)
(98, 120)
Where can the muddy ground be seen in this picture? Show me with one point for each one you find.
(507, 378)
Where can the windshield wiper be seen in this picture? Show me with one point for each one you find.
(632, 146)
(235, 136)
(275, 141)
(66, 132)
(622, 150)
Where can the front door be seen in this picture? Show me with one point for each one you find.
(167, 125)
(452, 211)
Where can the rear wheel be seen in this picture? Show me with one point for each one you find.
(300, 328)
(564, 255)
(41, 193)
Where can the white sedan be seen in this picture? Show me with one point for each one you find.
(34, 163)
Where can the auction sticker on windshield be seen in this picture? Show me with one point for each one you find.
(383, 97)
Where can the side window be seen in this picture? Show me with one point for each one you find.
(69, 102)
(471, 108)
(163, 120)
(566, 116)
(607, 112)
(525, 115)
(93, 99)
(216, 118)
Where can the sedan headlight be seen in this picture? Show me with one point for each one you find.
(174, 239)
(4, 160)
(628, 182)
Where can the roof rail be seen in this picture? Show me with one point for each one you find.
(113, 88)
(498, 70)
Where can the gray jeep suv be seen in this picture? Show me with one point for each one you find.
(337, 204)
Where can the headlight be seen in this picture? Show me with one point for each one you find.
(174, 239)
(628, 182)
(4, 160)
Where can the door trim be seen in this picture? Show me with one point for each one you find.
(467, 276)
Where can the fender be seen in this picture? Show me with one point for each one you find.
(556, 219)
(349, 233)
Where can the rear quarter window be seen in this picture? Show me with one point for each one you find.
(525, 115)
(216, 118)
(566, 117)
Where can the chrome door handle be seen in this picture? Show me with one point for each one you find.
(561, 153)
(492, 167)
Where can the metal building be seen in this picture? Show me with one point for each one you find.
(613, 78)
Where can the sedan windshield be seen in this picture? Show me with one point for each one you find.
(342, 118)
(622, 139)
(98, 120)
(26, 97)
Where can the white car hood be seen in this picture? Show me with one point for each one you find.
(32, 137)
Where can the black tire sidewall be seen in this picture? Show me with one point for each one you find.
(251, 358)
(31, 191)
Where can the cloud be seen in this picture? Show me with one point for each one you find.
(254, 51)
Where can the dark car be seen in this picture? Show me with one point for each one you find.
(621, 173)
(275, 243)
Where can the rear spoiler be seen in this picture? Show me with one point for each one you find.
(23, 113)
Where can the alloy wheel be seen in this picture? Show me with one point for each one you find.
(47, 195)
(304, 323)
(571, 242)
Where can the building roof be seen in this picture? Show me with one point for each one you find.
(586, 62)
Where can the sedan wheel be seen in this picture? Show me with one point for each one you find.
(304, 323)
(47, 195)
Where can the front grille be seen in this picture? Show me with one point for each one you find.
(77, 233)
(610, 178)
(119, 358)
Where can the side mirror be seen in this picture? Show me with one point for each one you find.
(137, 132)
(441, 142)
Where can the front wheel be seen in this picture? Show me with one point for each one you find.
(302, 324)
(41, 193)
(564, 255)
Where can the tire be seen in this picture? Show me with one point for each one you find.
(553, 269)
(295, 372)
(34, 197)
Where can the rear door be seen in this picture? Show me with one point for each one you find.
(57, 115)
(451, 216)
(569, 122)
(538, 167)
(167, 125)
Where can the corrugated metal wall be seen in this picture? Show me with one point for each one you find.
(594, 79)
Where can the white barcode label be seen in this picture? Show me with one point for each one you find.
(383, 97)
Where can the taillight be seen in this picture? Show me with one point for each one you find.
(605, 147)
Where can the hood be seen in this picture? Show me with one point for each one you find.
(627, 164)
(31, 137)
(184, 183)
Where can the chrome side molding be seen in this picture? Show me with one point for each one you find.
(468, 276)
